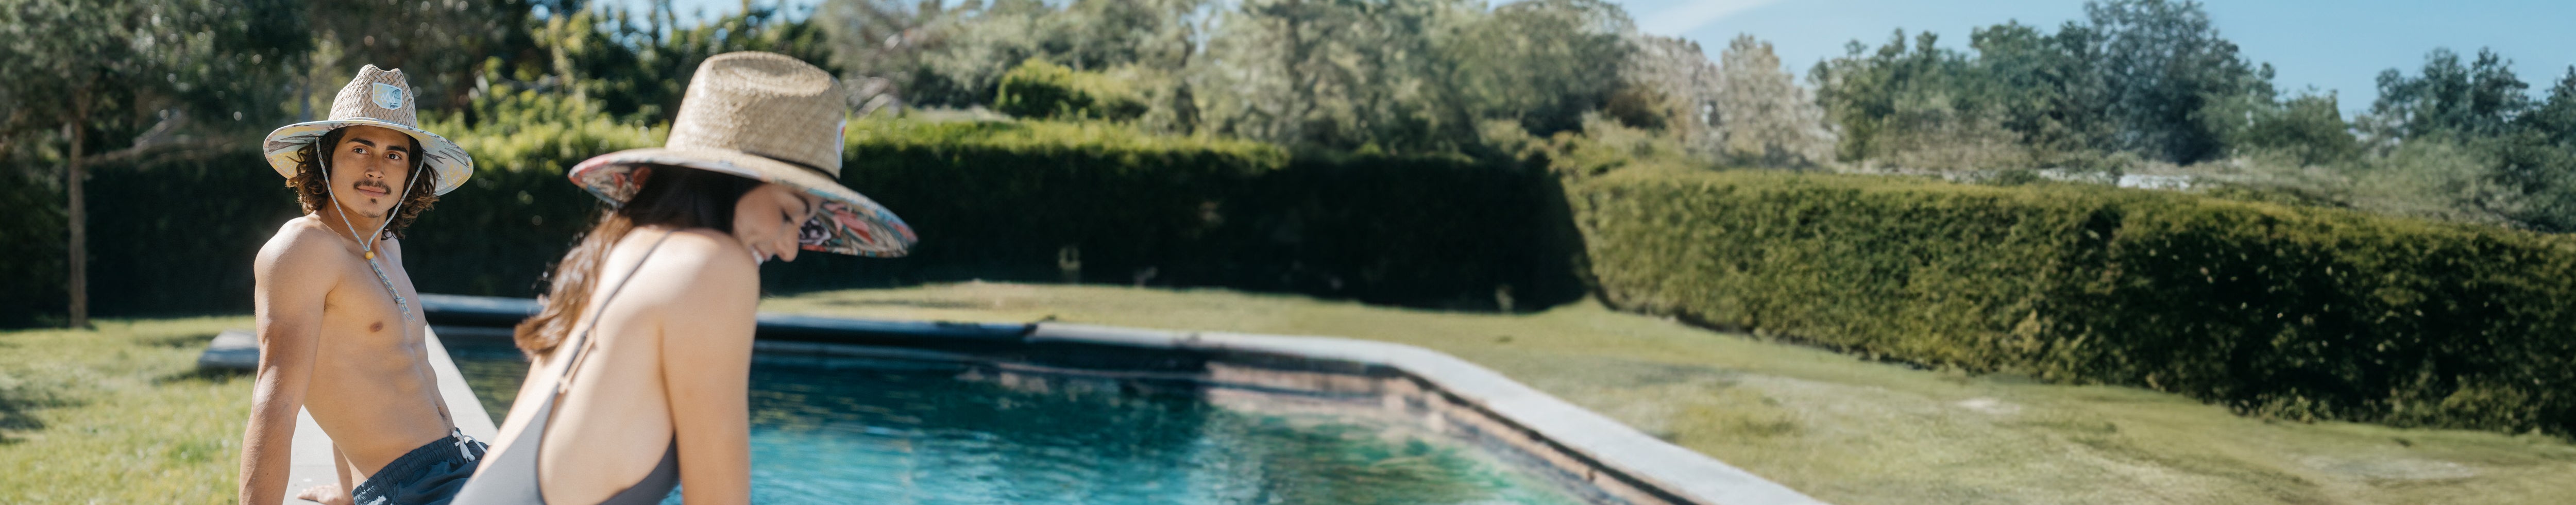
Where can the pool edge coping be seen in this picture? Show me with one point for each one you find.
(1672, 469)
(1636, 460)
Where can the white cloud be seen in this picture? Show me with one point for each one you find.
(1692, 14)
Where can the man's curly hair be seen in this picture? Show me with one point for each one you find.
(312, 191)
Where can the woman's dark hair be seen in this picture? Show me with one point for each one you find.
(312, 189)
(674, 197)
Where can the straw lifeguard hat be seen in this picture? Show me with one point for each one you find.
(380, 98)
(771, 118)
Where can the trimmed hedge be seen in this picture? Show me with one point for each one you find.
(502, 232)
(1022, 201)
(992, 200)
(2294, 312)
(31, 248)
(1037, 89)
(175, 234)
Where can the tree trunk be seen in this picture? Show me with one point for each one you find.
(79, 211)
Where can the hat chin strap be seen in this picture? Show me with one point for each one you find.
(367, 244)
(401, 304)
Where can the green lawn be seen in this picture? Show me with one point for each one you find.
(1841, 429)
(119, 414)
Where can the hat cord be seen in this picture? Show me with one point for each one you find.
(368, 244)
(400, 305)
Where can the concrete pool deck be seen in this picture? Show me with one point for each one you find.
(1461, 398)
(310, 463)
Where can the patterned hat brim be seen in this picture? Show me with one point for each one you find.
(849, 223)
(442, 155)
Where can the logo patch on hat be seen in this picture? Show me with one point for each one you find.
(388, 96)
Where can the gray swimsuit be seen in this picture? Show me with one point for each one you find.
(512, 478)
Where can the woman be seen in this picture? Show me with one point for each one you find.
(642, 352)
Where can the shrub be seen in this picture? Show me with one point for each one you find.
(175, 233)
(31, 246)
(502, 231)
(2296, 312)
(1010, 200)
(1040, 90)
(1038, 201)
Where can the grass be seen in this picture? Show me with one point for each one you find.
(119, 414)
(1839, 428)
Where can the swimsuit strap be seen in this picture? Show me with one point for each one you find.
(511, 478)
(563, 381)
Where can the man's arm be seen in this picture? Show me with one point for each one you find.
(288, 302)
(340, 465)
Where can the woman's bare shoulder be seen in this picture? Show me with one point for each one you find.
(698, 268)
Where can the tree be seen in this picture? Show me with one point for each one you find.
(634, 72)
(2537, 158)
(2151, 77)
(2555, 117)
(957, 56)
(439, 45)
(2479, 99)
(89, 75)
(2044, 87)
(1360, 74)
(1668, 83)
(1915, 106)
(2174, 86)
(2309, 130)
(1539, 63)
(878, 39)
(1765, 118)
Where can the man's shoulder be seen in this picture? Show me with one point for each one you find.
(299, 237)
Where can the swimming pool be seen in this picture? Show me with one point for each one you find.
(1052, 412)
(839, 429)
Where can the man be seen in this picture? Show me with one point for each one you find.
(340, 332)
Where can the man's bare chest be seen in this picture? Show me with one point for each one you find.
(368, 310)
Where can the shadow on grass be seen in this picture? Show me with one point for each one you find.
(19, 402)
(204, 375)
(181, 341)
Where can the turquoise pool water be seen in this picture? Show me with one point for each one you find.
(843, 430)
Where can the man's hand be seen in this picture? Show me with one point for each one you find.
(328, 494)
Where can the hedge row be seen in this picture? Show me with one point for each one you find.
(175, 233)
(2266, 309)
(1040, 201)
(31, 249)
(2302, 313)
(1016, 201)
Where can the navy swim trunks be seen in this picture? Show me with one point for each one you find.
(429, 475)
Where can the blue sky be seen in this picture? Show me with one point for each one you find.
(2339, 46)
(2331, 45)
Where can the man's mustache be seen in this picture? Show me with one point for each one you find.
(379, 186)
